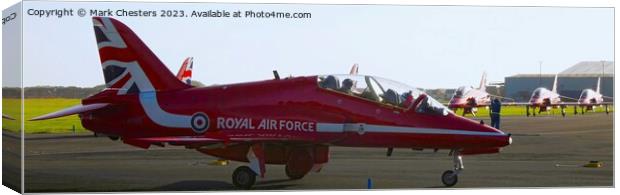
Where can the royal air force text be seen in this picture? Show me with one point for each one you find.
(235, 123)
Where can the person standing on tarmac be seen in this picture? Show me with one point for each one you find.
(496, 107)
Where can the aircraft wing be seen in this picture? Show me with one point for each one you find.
(570, 98)
(501, 97)
(568, 104)
(515, 103)
(208, 139)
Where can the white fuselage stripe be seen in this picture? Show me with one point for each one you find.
(346, 127)
(161, 117)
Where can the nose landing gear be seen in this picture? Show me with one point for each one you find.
(450, 177)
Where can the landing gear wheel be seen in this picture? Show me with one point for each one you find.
(244, 177)
(291, 175)
(449, 178)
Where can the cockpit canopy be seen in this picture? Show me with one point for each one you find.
(380, 90)
(586, 93)
(461, 91)
(537, 92)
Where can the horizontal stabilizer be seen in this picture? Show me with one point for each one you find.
(70, 111)
(7, 117)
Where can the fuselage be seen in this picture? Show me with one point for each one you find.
(292, 107)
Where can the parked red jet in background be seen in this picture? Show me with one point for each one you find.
(290, 121)
(589, 99)
(185, 72)
(545, 99)
(470, 98)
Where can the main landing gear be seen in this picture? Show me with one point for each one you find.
(450, 177)
(244, 177)
(291, 174)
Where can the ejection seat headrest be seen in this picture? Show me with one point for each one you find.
(390, 96)
(331, 82)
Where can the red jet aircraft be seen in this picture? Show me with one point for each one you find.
(545, 99)
(470, 98)
(589, 99)
(290, 121)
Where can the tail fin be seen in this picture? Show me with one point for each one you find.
(354, 69)
(483, 82)
(128, 64)
(598, 85)
(555, 84)
(185, 72)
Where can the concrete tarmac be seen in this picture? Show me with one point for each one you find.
(547, 151)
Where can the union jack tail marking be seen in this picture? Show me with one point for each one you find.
(128, 64)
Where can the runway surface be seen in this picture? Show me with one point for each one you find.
(546, 152)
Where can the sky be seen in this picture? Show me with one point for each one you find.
(422, 46)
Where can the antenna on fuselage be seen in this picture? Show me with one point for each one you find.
(276, 75)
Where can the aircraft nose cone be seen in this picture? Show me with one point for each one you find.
(503, 139)
(456, 102)
(492, 137)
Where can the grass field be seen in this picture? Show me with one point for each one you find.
(11, 108)
(37, 107)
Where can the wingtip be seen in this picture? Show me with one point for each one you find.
(7, 117)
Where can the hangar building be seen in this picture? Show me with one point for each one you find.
(571, 81)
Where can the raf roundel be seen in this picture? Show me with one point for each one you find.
(200, 122)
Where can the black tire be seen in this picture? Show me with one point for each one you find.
(449, 178)
(292, 176)
(244, 177)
